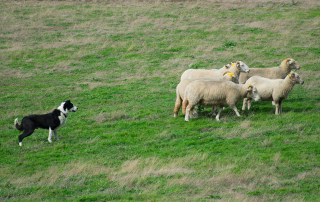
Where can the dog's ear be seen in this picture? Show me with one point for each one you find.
(68, 101)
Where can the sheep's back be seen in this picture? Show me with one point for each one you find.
(265, 86)
(270, 73)
(201, 73)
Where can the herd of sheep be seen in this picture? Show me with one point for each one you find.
(234, 82)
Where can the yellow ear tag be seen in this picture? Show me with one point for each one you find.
(289, 74)
(233, 64)
(249, 84)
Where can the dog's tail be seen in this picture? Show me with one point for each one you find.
(19, 127)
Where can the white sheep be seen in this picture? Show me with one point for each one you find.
(275, 90)
(235, 68)
(272, 73)
(181, 87)
(221, 93)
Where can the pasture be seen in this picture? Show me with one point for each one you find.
(119, 62)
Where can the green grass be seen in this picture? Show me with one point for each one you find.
(120, 64)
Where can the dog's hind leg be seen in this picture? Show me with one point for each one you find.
(28, 128)
(56, 135)
(25, 133)
(50, 135)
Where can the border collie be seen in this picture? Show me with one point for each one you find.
(52, 121)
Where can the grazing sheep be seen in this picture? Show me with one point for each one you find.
(221, 93)
(181, 87)
(272, 73)
(235, 68)
(275, 90)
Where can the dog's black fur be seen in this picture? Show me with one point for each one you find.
(49, 121)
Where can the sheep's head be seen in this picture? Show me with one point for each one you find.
(252, 93)
(241, 66)
(291, 63)
(295, 78)
(227, 66)
(231, 77)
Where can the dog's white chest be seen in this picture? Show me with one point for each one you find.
(62, 119)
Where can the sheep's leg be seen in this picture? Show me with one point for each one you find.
(277, 108)
(184, 105)
(188, 109)
(219, 112)
(177, 107)
(245, 100)
(249, 104)
(213, 112)
(235, 110)
(280, 107)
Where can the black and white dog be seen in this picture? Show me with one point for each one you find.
(51, 121)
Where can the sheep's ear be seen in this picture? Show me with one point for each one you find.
(249, 87)
(238, 64)
(292, 75)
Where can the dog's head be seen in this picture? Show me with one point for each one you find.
(67, 107)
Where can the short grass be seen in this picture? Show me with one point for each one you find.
(120, 62)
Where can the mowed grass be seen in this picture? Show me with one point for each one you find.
(120, 62)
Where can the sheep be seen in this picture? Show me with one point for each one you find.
(235, 68)
(181, 87)
(221, 93)
(275, 90)
(272, 73)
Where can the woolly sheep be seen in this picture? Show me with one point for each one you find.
(272, 73)
(235, 68)
(221, 93)
(181, 87)
(275, 90)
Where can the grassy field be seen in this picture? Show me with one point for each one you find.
(120, 62)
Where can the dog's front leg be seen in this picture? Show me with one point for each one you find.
(50, 135)
(56, 135)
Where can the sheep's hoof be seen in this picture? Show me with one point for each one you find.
(175, 115)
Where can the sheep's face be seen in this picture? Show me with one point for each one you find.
(296, 78)
(242, 67)
(292, 64)
(235, 79)
(252, 93)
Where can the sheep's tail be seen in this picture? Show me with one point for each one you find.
(19, 127)
(185, 103)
